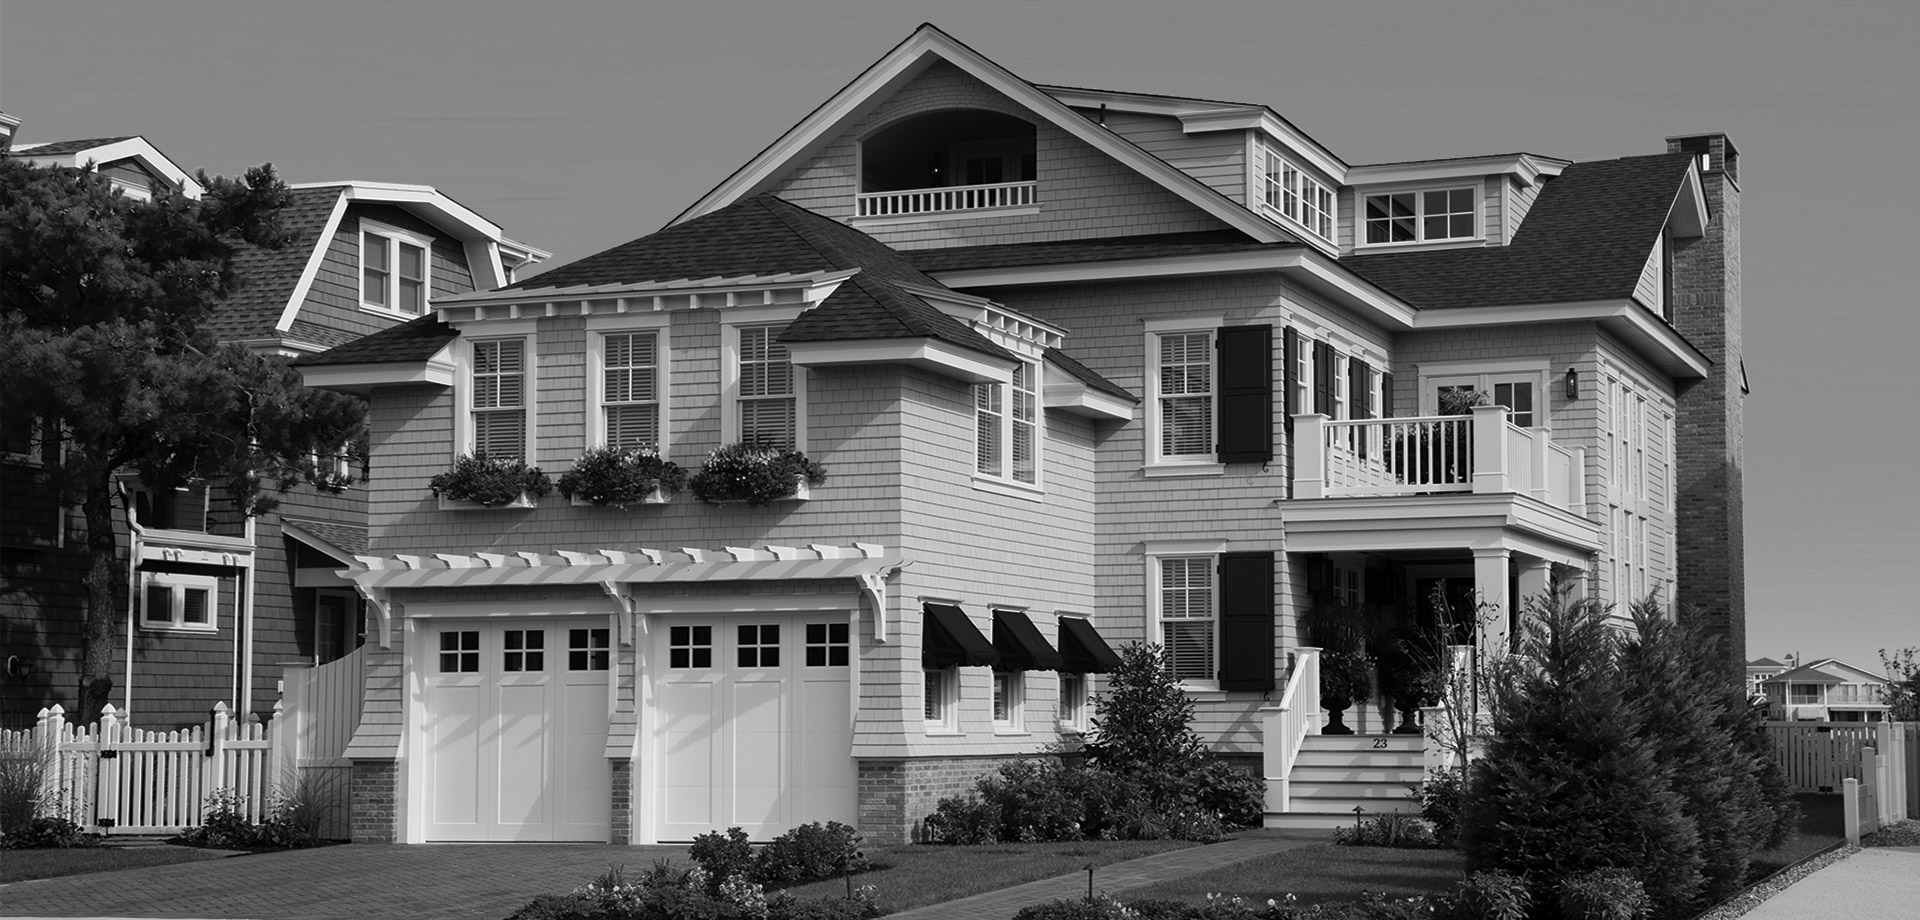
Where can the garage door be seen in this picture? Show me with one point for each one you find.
(516, 730)
(752, 724)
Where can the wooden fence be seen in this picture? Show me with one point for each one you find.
(1818, 756)
(1880, 795)
(321, 708)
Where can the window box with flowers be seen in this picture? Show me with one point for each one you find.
(621, 477)
(756, 475)
(479, 481)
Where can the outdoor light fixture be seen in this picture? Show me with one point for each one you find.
(1573, 383)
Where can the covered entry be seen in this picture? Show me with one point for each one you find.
(516, 722)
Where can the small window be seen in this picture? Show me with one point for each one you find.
(1006, 427)
(183, 602)
(1072, 706)
(689, 647)
(759, 646)
(588, 649)
(523, 650)
(938, 697)
(1007, 697)
(827, 645)
(20, 441)
(1421, 216)
(460, 651)
(394, 269)
(1349, 587)
(337, 625)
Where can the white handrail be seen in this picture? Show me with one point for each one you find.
(951, 198)
(1285, 727)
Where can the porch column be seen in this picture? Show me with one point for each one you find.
(1309, 455)
(1576, 582)
(1490, 589)
(1535, 580)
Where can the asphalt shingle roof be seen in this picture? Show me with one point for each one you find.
(1586, 238)
(59, 148)
(414, 340)
(349, 537)
(1088, 375)
(1063, 252)
(268, 276)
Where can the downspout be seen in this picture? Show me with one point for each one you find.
(134, 532)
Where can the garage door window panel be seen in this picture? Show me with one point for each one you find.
(759, 646)
(589, 649)
(460, 651)
(523, 650)
(827, 645)
(690, 647)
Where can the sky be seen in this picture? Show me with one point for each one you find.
(577, 126)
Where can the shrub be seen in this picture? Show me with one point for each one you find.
(859, 907)
(23, 766)
(1487, 895)
(621, 476)
(1439, 799)
(1234, 795)
(663, 893)
(1035, 800)
(754, 474)
(808, 853)
(487, 481)
(1602, 894)
(223, 822)
(1082, 909)
(964, 821)
(1142, 721)
(47, 833)
(1388, 830)
(722, 856)
(293, 819)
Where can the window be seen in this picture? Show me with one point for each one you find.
(827, 645)
(1287, 188)
(393, 269)
(1187, 616)
(1349, 587)
(766, 392)
(20, 441)
(689, 647)
(500, 398)
(185, 602)
(1804, 694)
(1183, 387)
(1008, 695)
(1071, 708)
(1421, 216)
(337, 625)
(939, 696)
(630, 389)
(759, 646)
(1006, 426)
(1520, 391)
(589, 649)
(523, 650)
(460, 651)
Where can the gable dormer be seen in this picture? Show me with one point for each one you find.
(1455, 203)
(1686, 223)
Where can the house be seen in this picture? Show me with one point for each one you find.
(1760, 670)
(1826, 690)
(221, 602)
(1085, 368)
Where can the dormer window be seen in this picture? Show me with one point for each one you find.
(958, 160)
(394, 267)
(1423, 216)
(1288, 190)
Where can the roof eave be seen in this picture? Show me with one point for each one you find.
(937, 355)
(1625, 317)
(360, 378)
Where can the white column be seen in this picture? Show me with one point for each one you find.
(1577, 583)
(1490, 473)
(1535, 580)
(1309, 455)
(1490, 588)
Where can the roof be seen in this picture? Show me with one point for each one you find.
(349, 538)
(1088, 376)
(1805, 675)
(1065, 252)
(1586, 238)
(59, 148)
(765, 235)
(415, 340)
(269, 276)
(1764, 663)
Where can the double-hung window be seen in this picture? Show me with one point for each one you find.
(395, 268)
(1187, 618)
(499, 388)
(767, 389)
(1425, 216)
(182, 602)
(1183, 395)
(1007, 427)
(630, 394)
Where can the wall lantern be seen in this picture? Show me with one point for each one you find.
(1573, 383)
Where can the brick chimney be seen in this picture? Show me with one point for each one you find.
(1710, 434)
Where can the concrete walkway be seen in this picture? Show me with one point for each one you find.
(1875, 882)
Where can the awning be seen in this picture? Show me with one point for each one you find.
(1082, 651)
(951, 639)
(1020, 645)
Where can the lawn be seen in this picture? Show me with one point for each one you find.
(24, 865)
(1822, 824)
(923, 874)
(1317, 872)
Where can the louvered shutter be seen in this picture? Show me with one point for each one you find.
(1386, 396)
(1246, 621)
(1290, 375)
(1323, 378)
(1360, 399)
(1246, 394)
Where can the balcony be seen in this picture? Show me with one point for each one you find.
(924, 201)
(1483, 453)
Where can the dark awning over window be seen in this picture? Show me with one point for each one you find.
(951, 639)
(1082, 651)
(1020, 645)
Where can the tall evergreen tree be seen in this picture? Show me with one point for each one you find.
(101, 301)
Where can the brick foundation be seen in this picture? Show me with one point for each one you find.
(373, 788)
(896, 795)
(622, 802)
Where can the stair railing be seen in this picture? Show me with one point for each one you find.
(1284, 728)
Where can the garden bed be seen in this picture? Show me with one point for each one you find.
(919, 875)
(1316, 873)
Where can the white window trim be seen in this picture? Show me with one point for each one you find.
(1153, 464)
(731, 322)
(1302, 185)
(598, 328)
(1154, 553)
(1005, 483)
(530, 387)
(392, 234)
(1419, 194)
(1487, 373)
(1074, 703)
(1016, 703)
(178, 585)
(948, 680)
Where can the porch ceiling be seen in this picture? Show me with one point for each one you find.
(1457, 521)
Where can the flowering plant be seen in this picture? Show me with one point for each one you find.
(490, 481)
(754, 473)
(621, 476)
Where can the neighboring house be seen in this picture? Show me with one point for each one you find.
(1084, 367)
(1760, 670)
(1827, 690)
(222, 601)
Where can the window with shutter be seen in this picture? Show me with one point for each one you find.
(1323, 377)
(1246, 394)
(1185, 377)
(1246, 621)
(1187, 616)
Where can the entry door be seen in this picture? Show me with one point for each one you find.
(516, 730)
(752, 723)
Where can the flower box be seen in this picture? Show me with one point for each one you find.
(521, 503)
(479, 482)
(621, 477)
(756, 475)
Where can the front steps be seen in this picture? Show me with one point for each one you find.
(1335, 773)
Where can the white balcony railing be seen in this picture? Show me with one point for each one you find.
(1284, 728)
(1483, 452)
(912, 201)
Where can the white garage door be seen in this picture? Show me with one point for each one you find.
(752, 724)
(516, 730)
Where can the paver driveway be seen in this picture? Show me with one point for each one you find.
(358, 881)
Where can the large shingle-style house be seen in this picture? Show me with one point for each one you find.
(1826, 690)
(220, 602)
(1085, 368)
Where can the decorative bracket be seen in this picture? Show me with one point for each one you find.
(874, 588)
(624, 601)
(381, 602)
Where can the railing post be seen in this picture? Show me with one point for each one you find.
(1490, 473)
(1307, 658)
(1274, 743)
(1577, 482)
(1850, 805)
(1542, 486)
(216, 763)
(106, 775)
(1310, 455)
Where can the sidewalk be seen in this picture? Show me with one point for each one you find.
(1870, 883)
(1174, 864)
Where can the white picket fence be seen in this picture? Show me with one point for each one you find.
(1880, 795)
(1818, 756)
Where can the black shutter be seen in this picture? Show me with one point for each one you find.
(1246, 394)
(1323, 379)
(1290, 353)
(1246, 621)
(1386, 396)
(1359, 375)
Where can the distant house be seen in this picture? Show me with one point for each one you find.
(215, 603)
(1827, 690)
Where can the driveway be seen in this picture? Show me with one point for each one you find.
(358, 881)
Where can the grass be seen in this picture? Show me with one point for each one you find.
(25, 865)
(1821, 825)
(1315, 873)
(919, 875)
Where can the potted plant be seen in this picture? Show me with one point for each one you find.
(755, 474)
(1411, 673)
(622, 476)
(1345, 678)
(479, 480)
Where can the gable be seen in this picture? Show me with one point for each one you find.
(333, 298)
